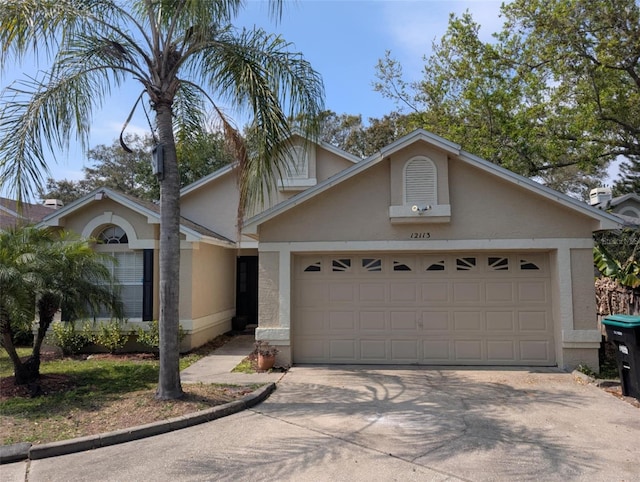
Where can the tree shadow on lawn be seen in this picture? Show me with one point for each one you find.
(93, 385)
(440, 418)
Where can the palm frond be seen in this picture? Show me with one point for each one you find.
(256, 71)
(189, 112)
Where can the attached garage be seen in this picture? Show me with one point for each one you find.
(426, 254)
(450, 308)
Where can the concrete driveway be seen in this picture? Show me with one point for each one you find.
(380, 423)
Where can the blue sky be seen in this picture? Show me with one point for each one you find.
(343, 40)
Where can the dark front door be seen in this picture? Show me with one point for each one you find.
(247, 289)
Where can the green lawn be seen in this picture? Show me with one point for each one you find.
(98, 384)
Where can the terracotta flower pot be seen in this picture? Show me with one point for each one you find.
(266, 362)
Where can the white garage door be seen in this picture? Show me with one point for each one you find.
(471, 309)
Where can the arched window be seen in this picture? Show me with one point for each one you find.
(420, 182)
(113, 235)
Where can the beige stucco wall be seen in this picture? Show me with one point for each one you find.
(268, 289)
(208, 287)
(483, 206)
(213, 272)
(583, 289)
(83, 216)
(214, 205)
(329, 164)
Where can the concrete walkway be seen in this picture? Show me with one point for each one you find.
(216, 367)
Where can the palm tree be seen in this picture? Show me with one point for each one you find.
(184, 54)
(51, 272)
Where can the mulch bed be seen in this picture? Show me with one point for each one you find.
(46, 385)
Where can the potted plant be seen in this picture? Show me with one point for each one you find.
(266, 354)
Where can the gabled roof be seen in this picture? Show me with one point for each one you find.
(12, 212)
(607, 221)
(230, 168)
(193, 232)
(626, 197)
(203, 181)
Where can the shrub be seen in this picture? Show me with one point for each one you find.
(151, 336)
(111, 336)
(65, 336)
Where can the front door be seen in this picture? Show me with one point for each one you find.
(247, 289)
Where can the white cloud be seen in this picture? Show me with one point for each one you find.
(412, 26)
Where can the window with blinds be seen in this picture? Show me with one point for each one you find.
(128, 270)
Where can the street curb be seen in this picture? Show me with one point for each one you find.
(23, 451)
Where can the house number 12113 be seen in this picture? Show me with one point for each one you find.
(420, 236)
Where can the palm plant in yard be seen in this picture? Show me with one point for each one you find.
(186, 58)
(41, 273)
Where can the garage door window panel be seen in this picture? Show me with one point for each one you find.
(372, 265)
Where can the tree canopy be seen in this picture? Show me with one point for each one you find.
(130, 171)
(555, 95)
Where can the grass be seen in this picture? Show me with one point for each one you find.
(245, 366)
(97, 395)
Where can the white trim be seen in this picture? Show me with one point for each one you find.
(206, 322)
(439, 213)
(274, 334)
(430, 245)
(108, 218)
(296, 184)
(580, 336)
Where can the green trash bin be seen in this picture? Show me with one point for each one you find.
(624, 332)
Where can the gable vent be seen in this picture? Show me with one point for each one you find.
(420, 182)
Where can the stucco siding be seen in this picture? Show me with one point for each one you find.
(328, 164)
(213, 288)
(269, 289)
(482, 207)
(80, 218)
(214, 206)
(584, 297)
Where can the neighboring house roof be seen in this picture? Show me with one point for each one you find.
(202, 182)
(607, 221)
(626, 197)
(192, 231)
(628, 221)
(12, 212)
(613, 202)
(623, 204)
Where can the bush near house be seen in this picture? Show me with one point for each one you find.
(111, 336)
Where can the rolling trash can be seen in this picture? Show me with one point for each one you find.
(624, 332)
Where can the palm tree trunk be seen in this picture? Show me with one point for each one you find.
(169, 386)
(19, 371)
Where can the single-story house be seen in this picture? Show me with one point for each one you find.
(420, 254)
